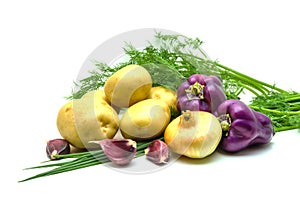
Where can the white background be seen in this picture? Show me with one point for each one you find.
(43, 45)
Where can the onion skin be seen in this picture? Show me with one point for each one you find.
(195, 134)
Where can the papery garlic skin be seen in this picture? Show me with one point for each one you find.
(57, 147)
(157, 152)
(118, 151)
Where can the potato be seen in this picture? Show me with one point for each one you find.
(145, 120)
(128, 85)
(162, 93)
(99, 93)
(87, 119)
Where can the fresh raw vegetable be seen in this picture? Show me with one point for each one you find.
(66, 125)
(195, 134)
(80, 160)
(200, 93)
(97, 95)
(182, 56)
(171, 60)
(90, 118)
(157, 152)
(128, 86)
(57, 147)
(164, 94)
(118, 151)
(145, 120)
(174, 58)
(242, 127)
(282, 108)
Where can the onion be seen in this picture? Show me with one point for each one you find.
(195, 134)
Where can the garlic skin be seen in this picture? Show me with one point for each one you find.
(157, 152)
(118, 151)
(57, 147)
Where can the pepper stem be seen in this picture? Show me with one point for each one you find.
(225, 122)
(195, 91)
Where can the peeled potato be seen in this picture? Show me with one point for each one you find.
(145, 120)
(127, 86)
(87, 119)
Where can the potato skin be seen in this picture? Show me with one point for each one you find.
(162, 93)
(128, 86)
(145, 120)
(66, 125)
(87, 119)
(99, 94)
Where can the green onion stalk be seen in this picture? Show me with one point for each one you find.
(170, 60)
(79, 160)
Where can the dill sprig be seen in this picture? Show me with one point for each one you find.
(282, 108)
(95, 80)
(170, 59)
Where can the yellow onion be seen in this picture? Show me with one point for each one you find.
(195, 134)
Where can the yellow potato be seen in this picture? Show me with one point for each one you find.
(87, 119)
(145, 120)
(127, 86)
(99, 93)
(167, 95)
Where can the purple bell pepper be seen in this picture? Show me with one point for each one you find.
(200, 93)
(242, 126)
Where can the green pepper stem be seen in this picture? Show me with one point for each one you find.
(225, 121)
(195, 91)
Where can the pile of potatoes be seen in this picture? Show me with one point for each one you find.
(95, 115)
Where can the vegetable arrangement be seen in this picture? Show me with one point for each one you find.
(176, 99)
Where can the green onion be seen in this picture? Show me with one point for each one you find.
(180, 57)
(79, 161)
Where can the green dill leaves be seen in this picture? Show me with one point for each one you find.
(170, 59)
(95, 80)
(282, 108)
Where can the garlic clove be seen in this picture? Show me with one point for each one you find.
(118, 151)
(57, 147)
(157, 152)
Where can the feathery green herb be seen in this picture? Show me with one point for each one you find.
(170, 59)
